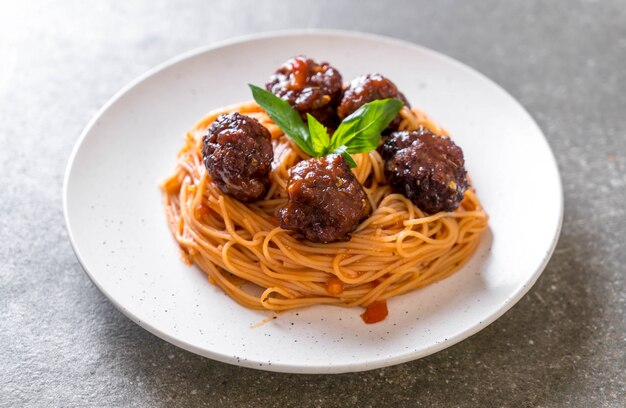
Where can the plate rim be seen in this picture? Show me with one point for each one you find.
(510, 301)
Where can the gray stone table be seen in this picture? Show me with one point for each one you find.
(63, 344)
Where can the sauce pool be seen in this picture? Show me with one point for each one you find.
(375, 312)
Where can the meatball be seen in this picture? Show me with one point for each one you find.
(400, 140)
(237, 152)
(368, 88)
(310, 87)
(326, 202)
(429, 171)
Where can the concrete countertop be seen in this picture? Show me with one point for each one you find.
(62, 343)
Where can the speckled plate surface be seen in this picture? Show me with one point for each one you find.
(117, 226)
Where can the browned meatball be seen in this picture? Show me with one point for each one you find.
(400, 140)
(429, 170)
(237, 152)
(326, 202)
(368, 88)
(310, 87)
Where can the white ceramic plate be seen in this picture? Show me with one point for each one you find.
(118, 229)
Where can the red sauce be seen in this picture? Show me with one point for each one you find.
(375, 312)
(300, 73)
(334, 286)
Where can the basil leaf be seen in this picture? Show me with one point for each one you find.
(360, 132)
(318, 136)
(343, 151)
(286, 117)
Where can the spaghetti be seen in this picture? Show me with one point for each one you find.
(243, 250)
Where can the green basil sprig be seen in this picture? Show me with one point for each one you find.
(357, 133)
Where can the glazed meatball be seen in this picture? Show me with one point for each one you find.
(326, 202)
(366, 89)
(237, 152)
(310, 87)
(400, 140)
(429, 171)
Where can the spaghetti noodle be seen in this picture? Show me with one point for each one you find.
(243, 250)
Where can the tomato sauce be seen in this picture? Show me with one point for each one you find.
(375, 312)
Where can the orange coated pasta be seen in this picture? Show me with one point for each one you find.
(243, 250)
